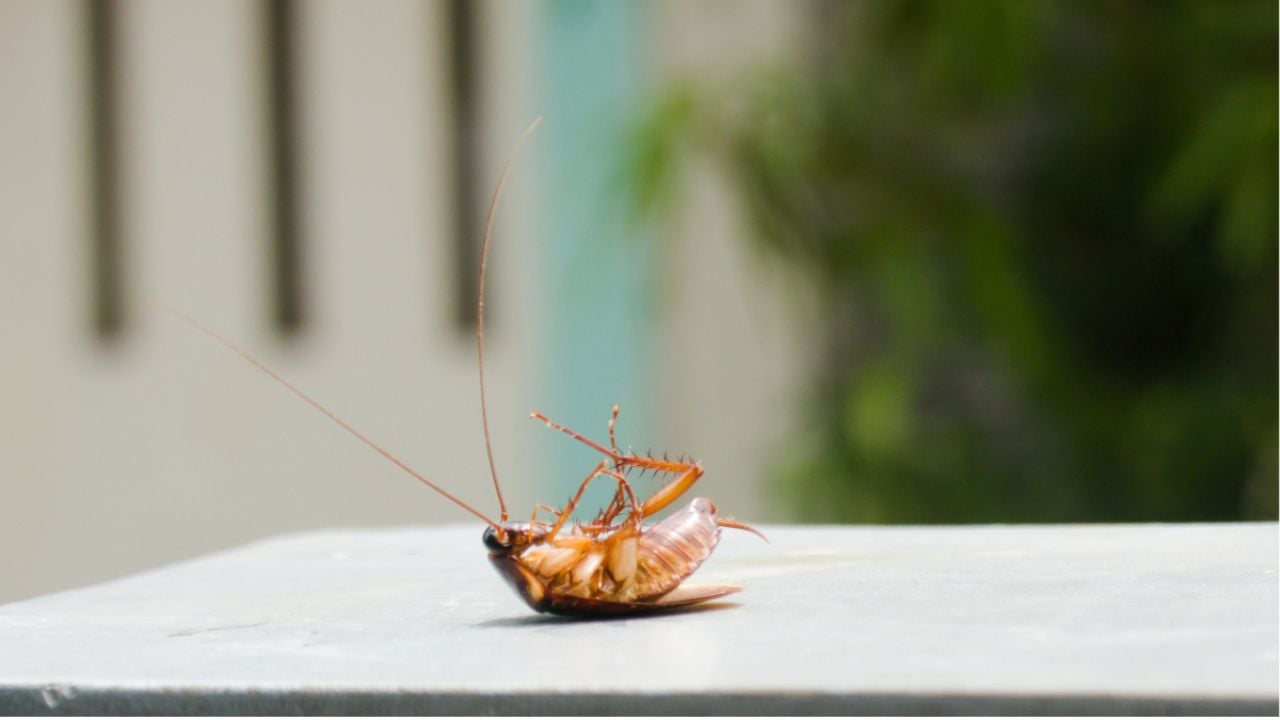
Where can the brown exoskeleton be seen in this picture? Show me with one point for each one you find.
(613, 565)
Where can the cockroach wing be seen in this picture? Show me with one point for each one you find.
(678, 598)
(686, 595)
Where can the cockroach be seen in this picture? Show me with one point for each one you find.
(613, 565)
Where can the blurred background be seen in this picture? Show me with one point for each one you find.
(880, 262)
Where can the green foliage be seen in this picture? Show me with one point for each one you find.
(1043, 240)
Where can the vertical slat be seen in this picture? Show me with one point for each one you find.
(379, 214)
(288, 312)
(106, 263)
(47, 292)
(466, 197)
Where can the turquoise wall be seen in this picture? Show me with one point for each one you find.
(597, 345)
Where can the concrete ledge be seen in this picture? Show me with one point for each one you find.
(1090, 619)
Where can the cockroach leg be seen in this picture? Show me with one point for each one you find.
(687, 473)
(601, 469)
(618, 504)
(614, 508)
(615, 456)
(533, 521)
(613, 440)
(672, 492)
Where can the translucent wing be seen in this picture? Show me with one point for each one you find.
(683, 596)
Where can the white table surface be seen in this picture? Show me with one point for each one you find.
(858, 620)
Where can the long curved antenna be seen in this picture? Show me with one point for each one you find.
(307, 398)
(484, 261)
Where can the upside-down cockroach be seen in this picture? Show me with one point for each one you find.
(613, 565)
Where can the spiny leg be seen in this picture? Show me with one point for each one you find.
(672, 490)
(615, 505)
(612, 454)
(611, 510)
(601, 469)
(573, 502)
(619, 459)
(533, 521)
(687, 473)
(619, 502)
(613, 440)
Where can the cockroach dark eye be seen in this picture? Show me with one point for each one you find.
(495, 540)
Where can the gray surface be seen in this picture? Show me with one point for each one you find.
(1030, 619)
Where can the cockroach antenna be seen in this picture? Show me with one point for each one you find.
(484, 262)
(315, 404)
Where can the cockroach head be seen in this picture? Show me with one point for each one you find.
(498, 539)
(508, 537)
